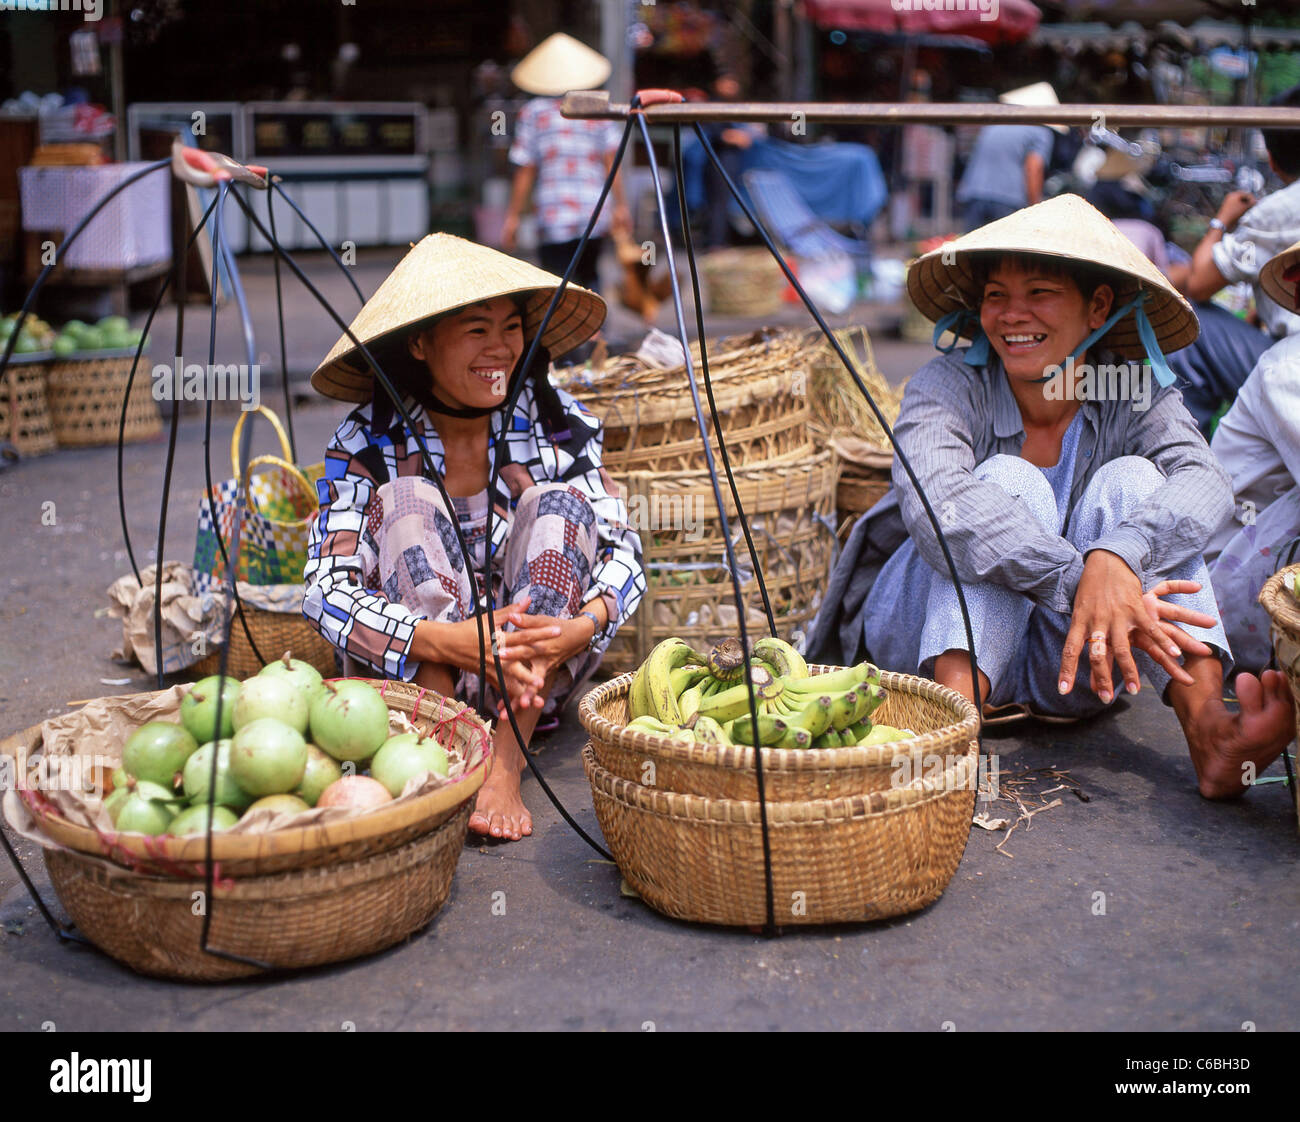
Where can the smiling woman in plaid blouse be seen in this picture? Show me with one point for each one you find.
(386, 578)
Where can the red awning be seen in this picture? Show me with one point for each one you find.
(994, 21)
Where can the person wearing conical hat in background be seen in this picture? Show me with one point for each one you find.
(562, 164)
(1008, 164)
(1074, 490)
(1258, 444)
(386, 580)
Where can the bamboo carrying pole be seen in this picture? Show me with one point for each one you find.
(596, 104)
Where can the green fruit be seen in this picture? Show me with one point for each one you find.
(198, 770)
(279, 698)
(157, 752)
(405, 756)
(65, 346)
(75, 327)
(140, 814)
(301, 674)
(26, 345)
(268, 757)
(91, 339)
(349, 720)
(199, 708)
(322, 770)
(195, 820)
(121, 779)
(114, 324)
(281, 804)
(113, 802)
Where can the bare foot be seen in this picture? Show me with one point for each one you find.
(1229, 749)
(500, 811)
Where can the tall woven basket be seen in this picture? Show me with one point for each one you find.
(291, 897)
(888, 849)
(24, 409)
(790, 507)
(742, 282)
(85, 399)
(1284, 613)
(761, 385)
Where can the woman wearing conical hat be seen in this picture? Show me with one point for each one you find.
(387, 582)
(1075, 492)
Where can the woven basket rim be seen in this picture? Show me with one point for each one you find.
(788, 759)
(959, 777)
(1282, 607)
(386, 819)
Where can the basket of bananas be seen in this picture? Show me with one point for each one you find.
(869, 781)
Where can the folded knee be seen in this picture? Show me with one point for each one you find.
(1123, 482)
(1021, 480)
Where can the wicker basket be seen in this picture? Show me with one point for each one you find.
(742, 282)
(304, 918)
(296, 848)
(833, 860)
(649, 416)
(24, 408)
(85, 398)
(273, 633)
(789, 505)
(1284, 612)
(947, 723)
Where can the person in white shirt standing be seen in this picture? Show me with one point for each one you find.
(1258, 443)
(562, 163)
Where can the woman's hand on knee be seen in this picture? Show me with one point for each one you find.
(1110, 616)
(1167, 615)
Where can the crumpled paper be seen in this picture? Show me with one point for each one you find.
(193, 621)
(89, 743)
(859, 451)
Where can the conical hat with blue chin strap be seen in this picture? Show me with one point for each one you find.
(943, 283)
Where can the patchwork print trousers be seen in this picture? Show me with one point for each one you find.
(549, 552)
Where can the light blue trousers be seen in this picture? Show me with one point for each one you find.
(912, 614)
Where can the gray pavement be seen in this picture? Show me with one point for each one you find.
(1199, 931)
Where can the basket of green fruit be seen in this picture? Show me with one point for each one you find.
(1280, 597)
(338, 811)
(25, 419)
(866, 819)
(86, 383)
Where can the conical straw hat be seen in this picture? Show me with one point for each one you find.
(440, 274)
(559, 64)
(1273, 281)
(1040, 94)
(1069, 228)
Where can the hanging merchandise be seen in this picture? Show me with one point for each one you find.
(85, 53)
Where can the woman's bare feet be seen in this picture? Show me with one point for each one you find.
(1230, 749)
(500, 811)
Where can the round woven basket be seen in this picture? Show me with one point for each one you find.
(1284, 613)
(742, 282)
(304, 918)
(85, 399)
(833, 860)
(274, 633)
(859, 490)
(790, 507)
(762, 387)
(24, 409)
(946, 721)
(301, 847)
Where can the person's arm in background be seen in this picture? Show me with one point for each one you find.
(521, 188)
(1035, 170)
(524, 155)
(1204, 277)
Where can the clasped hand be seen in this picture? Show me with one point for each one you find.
(1112, 616)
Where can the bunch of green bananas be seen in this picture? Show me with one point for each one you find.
(684, 695)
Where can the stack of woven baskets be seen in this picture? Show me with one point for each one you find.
(287, 898)
(787, 487)
(48, 402)
(855, 833)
